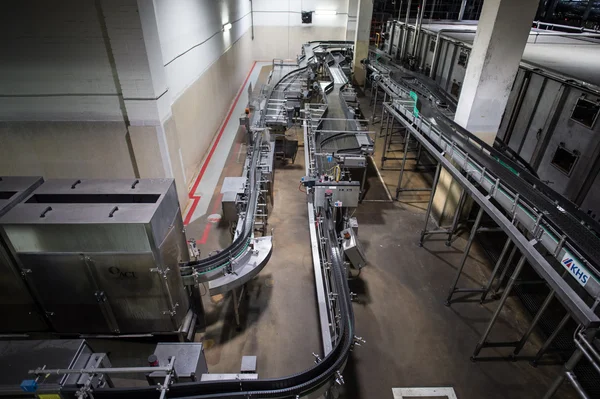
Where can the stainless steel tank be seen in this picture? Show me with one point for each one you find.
(18, 310)
(101, 256)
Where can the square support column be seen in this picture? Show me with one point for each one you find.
(362, 39)
(493, 64)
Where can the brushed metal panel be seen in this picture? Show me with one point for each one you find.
(17, 307)
(65, 289)
(99, 265)
(78, 238)
(173, 250)
(162, 220)
(135, 293)
(18, 310)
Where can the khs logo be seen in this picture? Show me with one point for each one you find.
(581, 275)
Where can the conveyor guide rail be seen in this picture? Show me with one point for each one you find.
(514, 196)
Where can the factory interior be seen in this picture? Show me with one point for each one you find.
(350, 199)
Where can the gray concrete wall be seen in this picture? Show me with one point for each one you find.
(65, 149)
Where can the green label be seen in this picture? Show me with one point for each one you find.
(507, 166)
(414, 96)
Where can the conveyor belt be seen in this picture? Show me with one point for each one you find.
(427, 88)
(240, 244)
(568, 220)
(582, 238)
(299, 384)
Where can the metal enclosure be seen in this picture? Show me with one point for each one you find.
(101, 256)
(343, 193)
(18, 357)
(190, 362)
(352, 249)
(18, 310)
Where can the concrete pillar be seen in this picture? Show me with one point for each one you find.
(135, 49)
(361, 39)
(500, 40)
(501, 36)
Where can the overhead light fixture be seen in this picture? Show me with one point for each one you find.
(325, 12)
(227, 26)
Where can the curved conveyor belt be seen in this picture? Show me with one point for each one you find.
(241, 242)
(300, 384)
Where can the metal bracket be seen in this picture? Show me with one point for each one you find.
(339, 379)
(172, 312)
(162, 272)
(317, 358)
(100, 296)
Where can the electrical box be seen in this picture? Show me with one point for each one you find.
(190, 362)
(307, 17)
(232, 187)
(352, 249)
(353, 161)
(353, 223)
(343, 193)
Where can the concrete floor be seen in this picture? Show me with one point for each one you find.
(412, 339)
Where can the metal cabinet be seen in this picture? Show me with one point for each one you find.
(18, 310)
(101, 256)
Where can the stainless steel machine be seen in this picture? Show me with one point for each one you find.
(18, 357)
(101, 256)
(18, 309)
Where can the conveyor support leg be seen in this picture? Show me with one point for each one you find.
(511, 283)
(488, 286)
(459, 208)
(465, 255)
(551, 339)
(428, 213)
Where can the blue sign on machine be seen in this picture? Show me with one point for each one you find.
(413, 95)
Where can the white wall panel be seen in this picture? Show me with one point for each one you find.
(288, 12)
(192, 38)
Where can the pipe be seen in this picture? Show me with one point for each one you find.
(432, 10)
(418, 25)
(111, 370)
(436, 51)
(252, 19)
(391, 38)
(461, 13)
(550, 25)
(405, 31)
